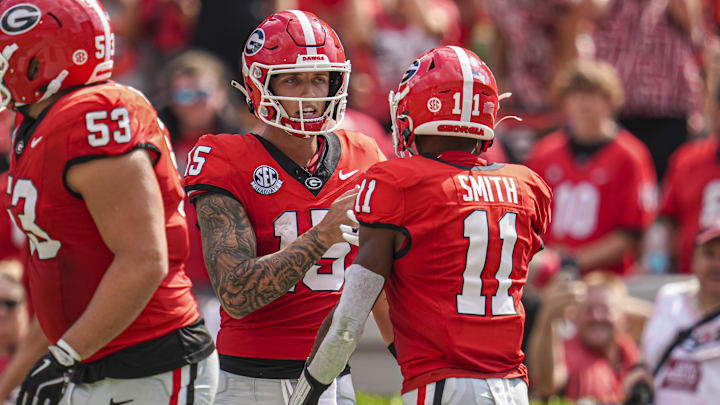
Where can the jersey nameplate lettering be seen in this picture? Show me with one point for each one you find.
(489, 189)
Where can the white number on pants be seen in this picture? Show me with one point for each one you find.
(476, 229)
(286, 228)
(40, 241)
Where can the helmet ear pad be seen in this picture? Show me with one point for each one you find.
(33, 69)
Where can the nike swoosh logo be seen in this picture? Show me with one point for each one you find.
(112, 402)
(345, 176)
(46, 364)
(35, 141)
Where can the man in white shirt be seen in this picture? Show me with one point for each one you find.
(681, 343)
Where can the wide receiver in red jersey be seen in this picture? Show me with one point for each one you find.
(451, 235)
(93, 184)
(270, 205)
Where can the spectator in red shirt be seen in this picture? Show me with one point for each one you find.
(592, 360)
(602, 177)
(691, 192)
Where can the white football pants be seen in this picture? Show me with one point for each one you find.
(194, 384)
(237, 389)
(470, 391)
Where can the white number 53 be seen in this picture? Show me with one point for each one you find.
(96, 123)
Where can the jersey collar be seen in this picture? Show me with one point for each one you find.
(327, 163)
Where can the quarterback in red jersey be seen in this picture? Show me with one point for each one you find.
(92, 173)
(451, 235)
(270, 205)
(602, 176)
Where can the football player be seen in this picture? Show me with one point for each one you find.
(269, 208)
(93, 184)
(451, 236)
(603, 177)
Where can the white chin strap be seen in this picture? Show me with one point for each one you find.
(54, 85)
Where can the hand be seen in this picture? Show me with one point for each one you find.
(561, 295)
(329, 228)
(308, 390)
(350, 233)
(46, 382)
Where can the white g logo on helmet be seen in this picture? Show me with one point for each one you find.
(20, 18)
(255, 42)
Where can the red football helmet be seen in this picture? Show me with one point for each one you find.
(294, 42)
(449, 91)
(50, 45)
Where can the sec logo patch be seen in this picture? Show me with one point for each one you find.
(266, 180)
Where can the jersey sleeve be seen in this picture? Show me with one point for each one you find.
(98, 126)
(208, 169)
(381, 199)
(543, 195)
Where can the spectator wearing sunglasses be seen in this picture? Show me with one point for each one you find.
(197, 104)
(196, 100)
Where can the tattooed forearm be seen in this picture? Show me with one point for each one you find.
(242, 281)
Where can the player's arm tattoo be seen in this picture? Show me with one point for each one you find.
(242, 281)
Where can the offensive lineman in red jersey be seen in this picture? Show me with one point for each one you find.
(91, 175)
(270, 205)
(451, 235)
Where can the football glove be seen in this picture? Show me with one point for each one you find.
(308, 390)
(48, 378)
(350, 233)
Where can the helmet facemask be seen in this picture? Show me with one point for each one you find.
(5, 95)
(271, 111)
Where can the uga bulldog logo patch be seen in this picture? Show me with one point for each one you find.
(20, 18)
(266, 180)
(255, 42)
(410, 72)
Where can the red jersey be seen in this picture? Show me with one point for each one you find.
(613, 189)
(68, 256)
(454, 292)
(691, 193)
(282, 201)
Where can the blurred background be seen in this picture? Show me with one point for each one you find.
(627, 205)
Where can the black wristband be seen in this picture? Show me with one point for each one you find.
(391, 349)
(308, 390)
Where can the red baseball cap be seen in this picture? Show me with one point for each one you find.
(708, 233)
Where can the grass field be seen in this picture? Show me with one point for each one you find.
(367, 399)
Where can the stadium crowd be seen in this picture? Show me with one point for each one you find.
(620, 109)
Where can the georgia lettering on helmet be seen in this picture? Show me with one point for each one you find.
(294, 42)
(449, 91)
(52, 35)
(463, 129)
